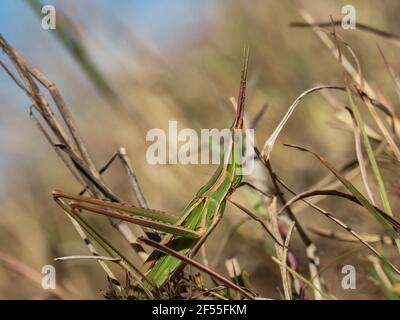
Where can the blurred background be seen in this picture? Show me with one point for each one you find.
(179, 60)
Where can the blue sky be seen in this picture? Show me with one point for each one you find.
(164, 22)
(159, 18)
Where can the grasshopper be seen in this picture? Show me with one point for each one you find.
(187, 232)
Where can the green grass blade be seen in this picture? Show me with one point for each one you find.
(370, 153)
(65, 34)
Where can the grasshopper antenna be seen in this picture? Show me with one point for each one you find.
(242, 90)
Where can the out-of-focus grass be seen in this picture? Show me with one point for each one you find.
(191, 84)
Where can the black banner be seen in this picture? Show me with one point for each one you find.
(193, 309)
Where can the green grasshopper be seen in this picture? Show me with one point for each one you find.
(186, 233)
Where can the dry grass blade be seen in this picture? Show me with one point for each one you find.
(355, 74)
(113, 280)
(342, 225)
(53, 144)
(14, 78)
(256, 218)
(132, 178)
(342, 236)
(311, 249)
(395, 149)
(307, 194)
(393, 76)
(394, 38)
(333, 49)
(360, 156)
(81, 160)
(349, 171)
(110, 275)
(284, 255)
(269, 144)
(380, 271)
(300, 277)
(386, 222)
(342, 116)
(281, 253)
(103, 258)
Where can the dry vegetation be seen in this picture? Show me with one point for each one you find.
(344, 200)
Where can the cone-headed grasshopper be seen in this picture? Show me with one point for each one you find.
(187, 232)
